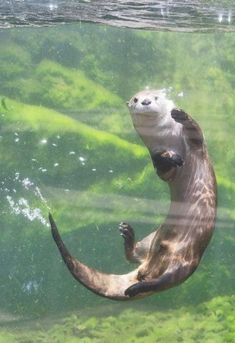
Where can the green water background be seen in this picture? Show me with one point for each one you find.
(67, 145)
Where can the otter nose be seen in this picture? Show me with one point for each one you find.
(146, 102)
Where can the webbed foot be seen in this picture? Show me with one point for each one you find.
(127, 232)
(173, 159)
(132, 290)
(178, 115)
(191, 128)
(166, 160)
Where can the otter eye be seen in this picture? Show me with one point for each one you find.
(135, 100)
(156, 97)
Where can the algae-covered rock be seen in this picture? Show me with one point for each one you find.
(54, 85)
(57, 147)
(137, 325)
(64, 88)
(14, 60)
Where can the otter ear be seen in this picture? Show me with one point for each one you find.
(127, 103)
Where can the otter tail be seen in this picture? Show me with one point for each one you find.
(107, 285)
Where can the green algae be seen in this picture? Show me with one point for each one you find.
(63, 98)
(212, 321)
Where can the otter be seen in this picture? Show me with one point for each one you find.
(170, 254)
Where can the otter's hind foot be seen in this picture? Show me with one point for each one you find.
(128, 234)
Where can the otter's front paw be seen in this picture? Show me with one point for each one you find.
(178, 115)
(173, 159)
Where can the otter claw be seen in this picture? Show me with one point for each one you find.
(126, 231)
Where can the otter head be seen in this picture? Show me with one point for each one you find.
(149, 109)
(152, 103)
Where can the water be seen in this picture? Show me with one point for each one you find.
(68, 146)
(177, 15)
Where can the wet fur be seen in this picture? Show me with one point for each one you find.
(170, 254)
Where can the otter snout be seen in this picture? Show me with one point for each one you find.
(146, 102)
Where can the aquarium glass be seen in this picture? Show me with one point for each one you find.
(68, 146)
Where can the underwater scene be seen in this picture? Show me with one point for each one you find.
(68, 147)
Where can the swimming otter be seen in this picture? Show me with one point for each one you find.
(169, 255)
